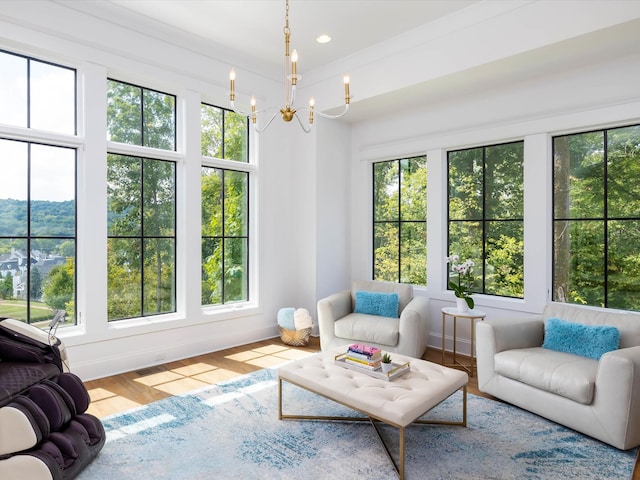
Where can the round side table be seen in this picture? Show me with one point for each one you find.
(472, 316)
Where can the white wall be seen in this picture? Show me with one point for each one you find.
(595, 96)
(311, 203)
(97, 50)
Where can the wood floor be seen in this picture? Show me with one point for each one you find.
(122, 392)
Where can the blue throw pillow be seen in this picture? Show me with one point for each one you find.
(375, 303)
(286, 318)
(591, 341)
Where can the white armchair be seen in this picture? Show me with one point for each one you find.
(339, 325)
(600, 398)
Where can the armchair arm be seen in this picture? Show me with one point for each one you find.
(618, 394)
(331, 309)
(414, 327)
(499, 334)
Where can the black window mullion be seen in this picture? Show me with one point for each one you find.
(399, 163)
(224, 218)
(224, 120)
(28, 252)
(142, 139)
(605, 179)
(484, 220)
(142, 237)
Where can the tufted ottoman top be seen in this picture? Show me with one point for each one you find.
(398, 402)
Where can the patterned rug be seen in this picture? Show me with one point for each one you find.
(231, 431)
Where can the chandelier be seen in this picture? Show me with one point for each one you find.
(288, 112)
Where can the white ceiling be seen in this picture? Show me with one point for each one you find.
(249, 34)
(254, 28)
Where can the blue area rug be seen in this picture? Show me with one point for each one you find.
(231, 431)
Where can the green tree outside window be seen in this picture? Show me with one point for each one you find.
(486, 215)
(400, 220)
(596, 218)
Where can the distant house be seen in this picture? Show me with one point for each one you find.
(15, 264)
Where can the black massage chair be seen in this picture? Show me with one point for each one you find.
(45, 433)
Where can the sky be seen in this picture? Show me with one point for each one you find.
(52, 104)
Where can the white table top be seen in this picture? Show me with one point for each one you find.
(454, 312)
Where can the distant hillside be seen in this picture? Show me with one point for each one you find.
(47, 218)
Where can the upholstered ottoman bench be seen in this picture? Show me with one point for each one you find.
(398, 403)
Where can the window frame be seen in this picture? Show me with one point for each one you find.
(399, 221)
(31, 136)
(480, 287)
(224, 236)
(604, 218)
(153, 154)
(223, 142)
(142, 117)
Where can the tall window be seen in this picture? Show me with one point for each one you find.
(400, 220)
(225, 206)
(38, 192)
(486, 224)
(225, 236)
(596, 218)
(141, 202)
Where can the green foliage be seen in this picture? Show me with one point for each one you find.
(139, 116)
(59, 287)
(225, 195)
(486, 215)
(35, 283)
(400, 227)
(54, 219)
(141, 248)
(596, 219)
(6, 288)
(224, 134)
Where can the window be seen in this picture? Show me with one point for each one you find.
(142, 236)
(596, 218)
(37, 95)
(141, 203)
(225, 236)
(139, 116)
(400, 220)
(225, 206)
(225, 134)
(38, 193)
(485, 218)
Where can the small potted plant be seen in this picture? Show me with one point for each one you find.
(386, 363)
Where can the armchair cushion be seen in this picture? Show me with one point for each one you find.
(368, 329)
(591, 341)
(377, 303)
(561, 373)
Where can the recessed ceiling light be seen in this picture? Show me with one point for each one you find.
(324, 38)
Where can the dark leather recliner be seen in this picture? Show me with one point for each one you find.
(45, 432)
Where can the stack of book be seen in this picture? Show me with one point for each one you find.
(364, 356)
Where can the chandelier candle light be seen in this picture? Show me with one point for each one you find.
(288, 112)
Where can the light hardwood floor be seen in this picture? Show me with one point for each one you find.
(121, 392)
